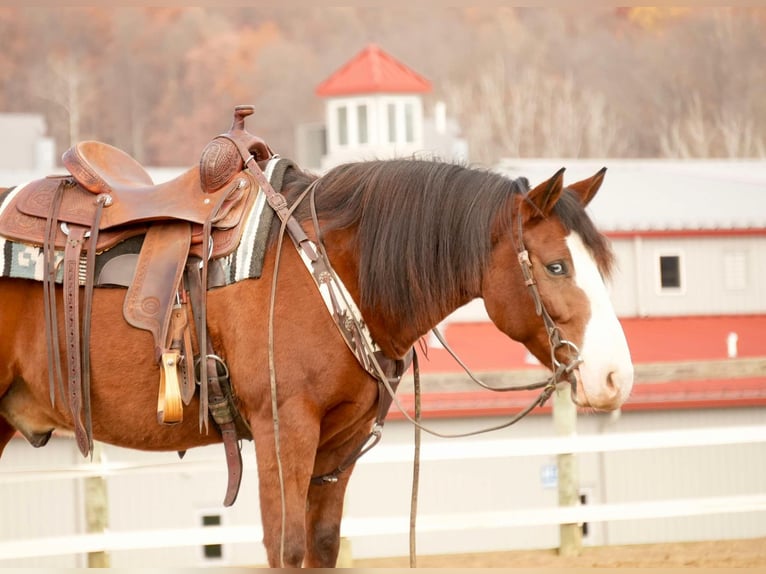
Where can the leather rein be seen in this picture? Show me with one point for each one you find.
(388, 372)
(562, 372)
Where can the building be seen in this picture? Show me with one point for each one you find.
(25, 147)
(374, 109)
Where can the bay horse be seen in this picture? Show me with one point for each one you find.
(411, 240)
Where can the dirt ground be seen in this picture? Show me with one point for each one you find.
(750, 553)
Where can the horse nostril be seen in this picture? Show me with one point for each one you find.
(611, 382)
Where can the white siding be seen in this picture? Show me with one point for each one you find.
(686, 473)
(721, 275)
(36, 509)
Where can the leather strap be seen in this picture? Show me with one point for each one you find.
(221, 413)
(72, 253)
(55, 376)
(244, 142)
(394, 369)
(180, 339)
(102, 201)
(215, 398)
(200, 306)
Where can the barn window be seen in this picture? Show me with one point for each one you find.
(211, 552)
(670, 272)
(735, 271)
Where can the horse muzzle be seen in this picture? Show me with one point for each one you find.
(602, 392)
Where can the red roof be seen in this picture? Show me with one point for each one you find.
(373, 71)
(485, 349)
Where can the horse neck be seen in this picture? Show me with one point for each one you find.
(394, 333)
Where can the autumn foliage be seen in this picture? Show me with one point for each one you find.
(565, 82)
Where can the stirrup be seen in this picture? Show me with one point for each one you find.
(169, 405)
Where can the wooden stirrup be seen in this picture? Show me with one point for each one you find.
(169, 404)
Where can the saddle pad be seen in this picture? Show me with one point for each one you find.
(246, 262)
(25, 261)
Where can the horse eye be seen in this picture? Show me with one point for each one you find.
(557, 268)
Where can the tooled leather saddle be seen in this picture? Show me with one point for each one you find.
(108, 197)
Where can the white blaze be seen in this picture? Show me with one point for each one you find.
(604, 349)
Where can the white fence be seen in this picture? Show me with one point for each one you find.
(357, 527)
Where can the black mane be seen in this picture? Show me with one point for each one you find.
(427, 222)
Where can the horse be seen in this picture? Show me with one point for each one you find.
(411, 240)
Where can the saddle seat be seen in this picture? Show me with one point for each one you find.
(136, 203)
(103, 169)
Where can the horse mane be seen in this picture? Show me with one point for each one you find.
(426, 221)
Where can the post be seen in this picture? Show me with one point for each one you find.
(96, 510)
(565, 423)
(345, 554)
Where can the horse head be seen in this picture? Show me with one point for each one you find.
(550, 260)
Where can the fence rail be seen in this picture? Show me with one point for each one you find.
(452, 450)
(357, 527)
(360, 527)
(645, 373)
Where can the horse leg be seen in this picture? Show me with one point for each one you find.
(325, 502)
(6, 433)
(323, 517)
(299, 436)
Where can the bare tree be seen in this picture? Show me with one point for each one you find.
(566, 81)
(532, 114)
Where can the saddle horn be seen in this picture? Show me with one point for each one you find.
(226, 155)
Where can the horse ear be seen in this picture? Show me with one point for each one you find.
(545, 195)
(587, 188)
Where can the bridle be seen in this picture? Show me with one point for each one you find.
(561, 371)
(354, 331)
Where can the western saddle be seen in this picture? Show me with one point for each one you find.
(107, 198)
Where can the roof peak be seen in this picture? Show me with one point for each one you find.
(371, 71)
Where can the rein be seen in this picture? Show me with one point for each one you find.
(561, 370)
(349, 321)
(554, 334)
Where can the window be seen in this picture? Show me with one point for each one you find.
(212, 551)
(342, 125)
(670, 272)
(361, 122)
(391, 109)
(735, 271)
(409, 123)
